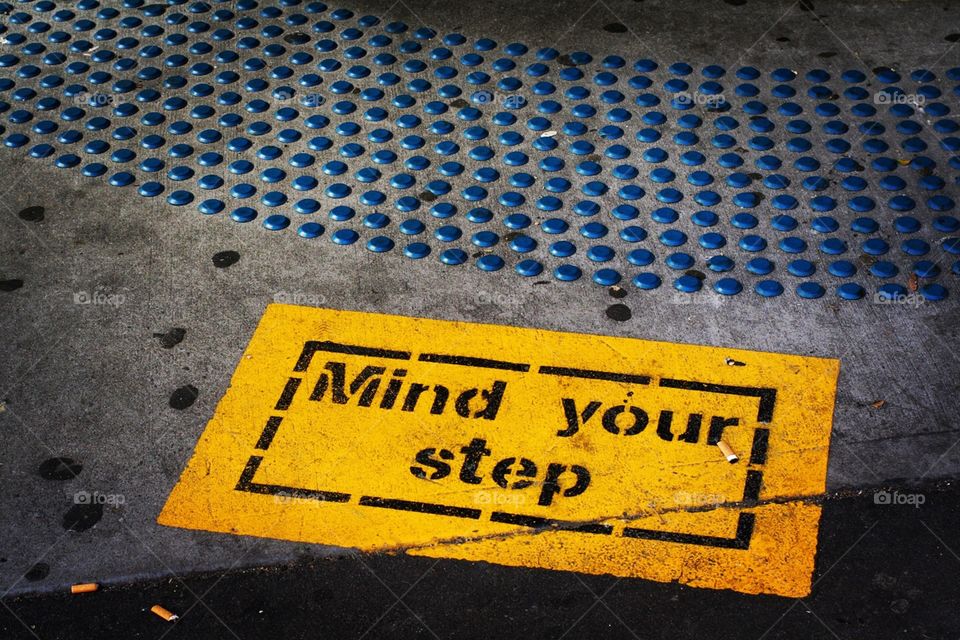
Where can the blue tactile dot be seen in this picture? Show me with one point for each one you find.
(850, 291)
(728, 286)
(310, 230)
(276, 222)
(744, 221)
(211, 206)
(933, 292)
(688, 284)
(180, 198)
(719, 264)
(412, 227)
(485, 239)
(842, 269)
(768, 288)
(810, 290)
(915, 247)
(376, 220)
(752, 243)
(891, 291)
(150, 189)
(884, 269)
(640, 257)
(344, 236)
(760, 266)
(606, 277)
(711, 241)
(926, 269)
(646, 281)
(567, 272)
(490, 263)
(679, 261)
(523, 244)
(379, 244)
(243, 214)
(529, 268)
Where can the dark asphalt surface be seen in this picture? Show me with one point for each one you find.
(883, 571)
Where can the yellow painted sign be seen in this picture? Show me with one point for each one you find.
(520, 447)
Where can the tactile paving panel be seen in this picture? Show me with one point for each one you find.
(347, 128)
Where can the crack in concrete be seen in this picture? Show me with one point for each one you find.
(568, 525)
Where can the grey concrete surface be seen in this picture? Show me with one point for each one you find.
(92, 382)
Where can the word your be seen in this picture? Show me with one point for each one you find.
(627, 420)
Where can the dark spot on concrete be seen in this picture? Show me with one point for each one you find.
(615, 27)
(184, 397)
(224, 259)
(573, 599)
(459, 103)
(826, 54)
(736, 3)
(699, 275)
(900, 606)
(297, 37)
(81, 517)
(617, 292)
(37, 572)
(542, 282)
(31, 214)
(735, 363)
(783, 39)
(806, 5)
(171, 338)
(513, 235)
(59, 469)
(566, 60)
(10, 285)
(619, 312)
(953, 37)
(428, 196)
(322, 595)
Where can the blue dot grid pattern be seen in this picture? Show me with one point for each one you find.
(330, 126)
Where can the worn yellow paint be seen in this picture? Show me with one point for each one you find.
(683, 498)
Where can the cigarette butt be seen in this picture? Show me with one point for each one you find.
(85, 587)
(169, 616)
(727, 452)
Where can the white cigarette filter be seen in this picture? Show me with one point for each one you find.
(169, 616)
(85, 587)
(727, 452)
